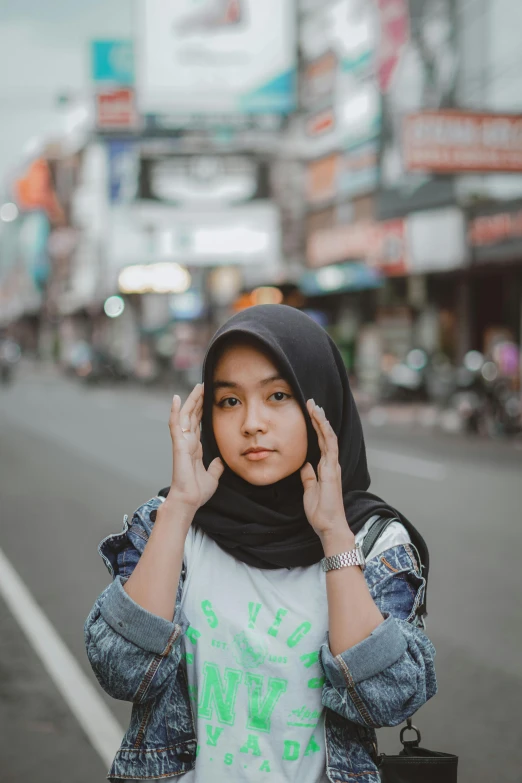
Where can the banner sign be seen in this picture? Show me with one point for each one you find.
(236, 56)
(451, 142)
(381, 245)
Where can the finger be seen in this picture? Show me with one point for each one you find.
(308, 476)
(195, 417)
(328, 435)
(188, 407)
(174, 425)
(216, 468)
(313, 410)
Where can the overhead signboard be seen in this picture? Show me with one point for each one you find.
(112, 61)
(451, 142)
(236, 56)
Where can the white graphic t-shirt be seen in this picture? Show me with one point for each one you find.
(252, 655)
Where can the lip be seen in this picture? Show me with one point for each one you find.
(257, 454)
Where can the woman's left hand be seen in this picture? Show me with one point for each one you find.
(323, 494)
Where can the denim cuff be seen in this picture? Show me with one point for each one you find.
(144, 629)
(373, 655)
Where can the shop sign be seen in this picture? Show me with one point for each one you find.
(203, 179)
(491, 229)
(451, 142)
(381, 245)
(321, 180)
(207, 57)
(387, 248)
(496, 236)
(116, 109)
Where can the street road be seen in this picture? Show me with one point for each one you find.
(74, 460)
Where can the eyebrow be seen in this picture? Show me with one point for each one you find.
(232, 385)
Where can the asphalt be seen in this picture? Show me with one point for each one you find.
(74, 460)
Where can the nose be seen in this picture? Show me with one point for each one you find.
(255, 419)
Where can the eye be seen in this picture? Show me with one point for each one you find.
(280, 396)
(228, 402)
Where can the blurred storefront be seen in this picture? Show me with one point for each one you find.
(495, 240)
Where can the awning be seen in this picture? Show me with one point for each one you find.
(338, 278)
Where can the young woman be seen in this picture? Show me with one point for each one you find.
(242, 622)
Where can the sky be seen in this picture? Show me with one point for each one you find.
(44, 52)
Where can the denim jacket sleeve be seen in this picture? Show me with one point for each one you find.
(132, 652)
(388, 676)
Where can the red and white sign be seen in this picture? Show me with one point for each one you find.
(116, 109)
(394, 34)
(379, 244)
(451, 141)
(493, 229)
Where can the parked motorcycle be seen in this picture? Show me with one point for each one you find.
(406, 381)
(482, 401)
(101, 367)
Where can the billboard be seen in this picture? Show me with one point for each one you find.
(215, 56)
(418, 69)
(452, 142)
(340, 92)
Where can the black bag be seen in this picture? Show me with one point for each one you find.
(417, 765)
(413, 764)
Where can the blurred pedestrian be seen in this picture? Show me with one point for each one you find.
(244, 623)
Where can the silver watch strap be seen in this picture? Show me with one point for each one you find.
(354, 557)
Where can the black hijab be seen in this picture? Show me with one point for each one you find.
(266, 526)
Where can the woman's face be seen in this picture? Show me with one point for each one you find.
(259, 426)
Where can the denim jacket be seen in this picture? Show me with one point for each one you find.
(137, 656)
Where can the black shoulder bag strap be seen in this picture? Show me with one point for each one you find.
(375, 531)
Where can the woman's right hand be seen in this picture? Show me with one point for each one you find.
(192, 485)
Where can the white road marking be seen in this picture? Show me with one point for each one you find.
(411, 466)
(82, 698)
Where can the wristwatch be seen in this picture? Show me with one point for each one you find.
(354, 557)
